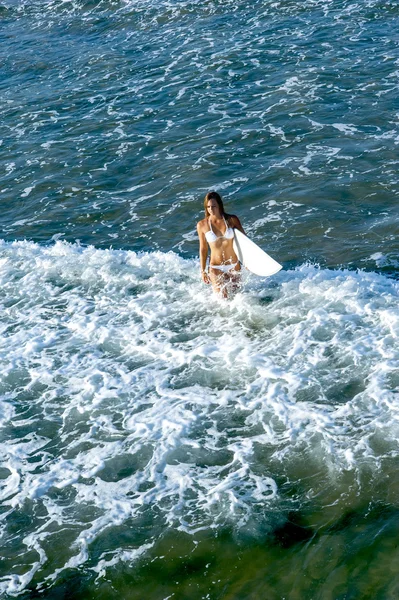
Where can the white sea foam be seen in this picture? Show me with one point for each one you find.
(385, 260)
(345, 128)
(131, 398)
(130, 390)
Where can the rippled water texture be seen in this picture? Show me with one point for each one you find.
(157, 442)
(118, 116)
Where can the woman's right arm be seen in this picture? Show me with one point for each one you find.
(203, 252)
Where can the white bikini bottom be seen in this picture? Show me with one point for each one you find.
(224, 268)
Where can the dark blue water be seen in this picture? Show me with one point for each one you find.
(156, 442)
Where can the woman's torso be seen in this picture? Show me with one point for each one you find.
(220, 238)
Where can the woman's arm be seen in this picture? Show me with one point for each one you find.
(235, 222)
(203, 252)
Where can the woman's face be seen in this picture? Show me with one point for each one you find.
(213, 208)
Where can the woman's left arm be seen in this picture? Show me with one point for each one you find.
(236, 223)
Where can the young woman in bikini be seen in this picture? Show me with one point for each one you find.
(216, 232)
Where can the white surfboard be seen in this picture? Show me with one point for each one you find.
(253, 257)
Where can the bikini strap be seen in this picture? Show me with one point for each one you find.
(210, 225)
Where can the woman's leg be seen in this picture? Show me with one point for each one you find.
(219, 280)
(225, 281)
(235, 278)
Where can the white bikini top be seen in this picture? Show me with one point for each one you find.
(212, 237)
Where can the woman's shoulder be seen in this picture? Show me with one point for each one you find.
(202, 224)
(232, 219)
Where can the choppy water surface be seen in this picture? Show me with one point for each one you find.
(156, 442)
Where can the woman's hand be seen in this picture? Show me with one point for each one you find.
(205, 277)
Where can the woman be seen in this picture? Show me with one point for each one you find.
(216, 231)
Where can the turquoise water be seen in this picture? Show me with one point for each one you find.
(155, 441)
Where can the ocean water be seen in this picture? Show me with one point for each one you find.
(155, 441)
